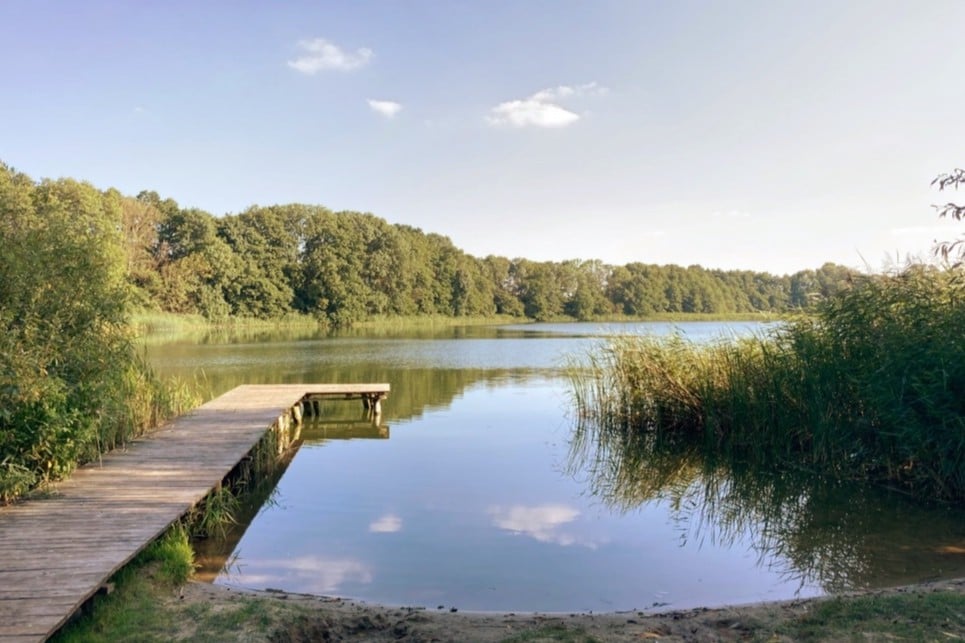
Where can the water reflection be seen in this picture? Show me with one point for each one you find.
(461, 494)
(543, 523)
(811, 531)
(316, 574)
(386, 524)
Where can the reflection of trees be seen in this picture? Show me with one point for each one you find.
(291, 357)
(835, 535)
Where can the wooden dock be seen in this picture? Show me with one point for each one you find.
(59, 550)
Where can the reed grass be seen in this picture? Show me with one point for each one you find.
(213, 515)
(419, 322)
(759, 316)
(872, 387)
(156, 322)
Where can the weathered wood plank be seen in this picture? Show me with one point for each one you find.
(58, 550)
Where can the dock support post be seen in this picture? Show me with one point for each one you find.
(297, 413)
(372, 403)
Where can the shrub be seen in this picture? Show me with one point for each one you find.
(69, 371)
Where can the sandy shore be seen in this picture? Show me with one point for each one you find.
(298, 617)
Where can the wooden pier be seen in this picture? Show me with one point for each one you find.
(58, 550)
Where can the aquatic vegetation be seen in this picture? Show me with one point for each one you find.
(812, 529)
(870, 388)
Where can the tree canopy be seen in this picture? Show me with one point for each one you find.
(342, 267)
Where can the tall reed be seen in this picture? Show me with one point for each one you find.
(872, 387)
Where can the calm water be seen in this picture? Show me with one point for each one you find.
(477, 491)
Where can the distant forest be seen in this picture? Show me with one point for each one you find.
(343, 267)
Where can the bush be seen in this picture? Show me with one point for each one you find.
(69, 371)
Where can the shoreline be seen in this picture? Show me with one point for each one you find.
(305, 617)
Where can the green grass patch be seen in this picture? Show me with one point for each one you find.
(552, 633)
(130, 612)
(173, 554)
(432, 321)
(163, 322)
(936, 616)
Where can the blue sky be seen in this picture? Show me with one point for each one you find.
(763, 135)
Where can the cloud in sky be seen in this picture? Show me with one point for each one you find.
(386, 108)
(319, 54)
(542, 109)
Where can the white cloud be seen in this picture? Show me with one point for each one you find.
(320, 54)
(542, 109)
(521, 113)
(387, 524)
(387, 108)
(566, 91)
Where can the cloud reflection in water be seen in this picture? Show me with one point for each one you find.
(311, 574)
(387, 524)
(540, 522)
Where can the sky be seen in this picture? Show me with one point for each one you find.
(761, 135)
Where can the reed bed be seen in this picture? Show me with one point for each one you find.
(872, 387)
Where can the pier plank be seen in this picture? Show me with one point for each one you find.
(56, 551)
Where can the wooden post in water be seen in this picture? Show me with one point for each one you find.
(372, 403)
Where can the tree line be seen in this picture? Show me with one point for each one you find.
(343, 267)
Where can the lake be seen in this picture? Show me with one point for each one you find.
(478, 490)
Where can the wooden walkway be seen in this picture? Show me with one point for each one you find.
(58, 551)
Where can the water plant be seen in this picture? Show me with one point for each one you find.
(213, 514)
(872, 387)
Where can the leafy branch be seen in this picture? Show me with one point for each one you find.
(951, 210)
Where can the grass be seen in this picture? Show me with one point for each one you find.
(914, 616)
(872, 388)
(141, 608)
(162, 322)
(418, 322)
(553, 633)
(174, 556)
(130, 612)
(145, 607)
(216, 512)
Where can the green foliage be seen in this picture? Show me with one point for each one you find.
(133, 611)
(216, 512)
(915, 616)
(947, 249)
(873, 387)
(68, 369)
(174, 555)
(346, 267)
